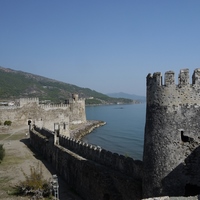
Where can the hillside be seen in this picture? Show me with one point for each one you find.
(128, 96)
(17, 84)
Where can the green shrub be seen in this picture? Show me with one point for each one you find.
(93, 101)
(34, 184)
(7, 123)
(2, 152)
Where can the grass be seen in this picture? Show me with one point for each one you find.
(4, 182)
(9, 162)
(12, 160)
(3, 136)
(12, 137)
(4, 179)
(5, 186)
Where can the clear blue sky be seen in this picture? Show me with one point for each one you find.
(105, 45)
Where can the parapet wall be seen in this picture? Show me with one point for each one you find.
(24, 101)
(8, 107)
(53, 106)
(45, 132)
(171, 94)
(114, 161)
(85, 174)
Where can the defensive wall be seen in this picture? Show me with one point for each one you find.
(24, 101)
(92, 172)
(172, 135)
(28, 110)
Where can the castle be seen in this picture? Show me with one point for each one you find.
(171, 155)
(53, 117)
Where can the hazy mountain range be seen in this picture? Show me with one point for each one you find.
(128, 96)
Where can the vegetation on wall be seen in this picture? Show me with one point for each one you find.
(17, 84)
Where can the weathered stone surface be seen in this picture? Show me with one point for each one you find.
(91, 172)
(173, 198)
(158, 198)
(29, 109)
(172, 136)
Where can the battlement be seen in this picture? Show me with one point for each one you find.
(81, 100)
(196, 77)
(54, 106)
(169, 78)
(112, 176)
(169, 93)
(156, 79)
(25, 109)
(125, 165)
(24, 101)
(114, 161)
(172, 135)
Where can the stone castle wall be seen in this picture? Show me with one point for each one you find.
(114, 161)
(44, 115)
(53, 106)
(92, 172)
(24, 101)
(173, 95)
(172, 135)
(171, 157)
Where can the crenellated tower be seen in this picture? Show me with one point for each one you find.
(45, 115)
(172, 135)
(25, 101)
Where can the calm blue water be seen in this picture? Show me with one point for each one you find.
(124, 131)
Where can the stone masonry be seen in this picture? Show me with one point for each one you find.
(52, 117)
(171, 157)
(92, 172)
(172, 135)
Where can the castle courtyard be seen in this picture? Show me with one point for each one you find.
(18, 159)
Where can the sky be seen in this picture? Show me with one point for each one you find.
(105, 45)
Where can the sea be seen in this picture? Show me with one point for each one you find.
(124, 129)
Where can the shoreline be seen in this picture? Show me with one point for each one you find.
(85, 128)
(110, 104)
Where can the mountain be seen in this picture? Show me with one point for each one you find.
(17, 84)
(128, 96)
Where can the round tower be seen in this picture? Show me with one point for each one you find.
(172, 135)
(75, 97)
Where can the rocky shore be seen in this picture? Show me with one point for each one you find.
(79, 131)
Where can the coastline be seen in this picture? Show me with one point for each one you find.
(80, 130)
(119, 103)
